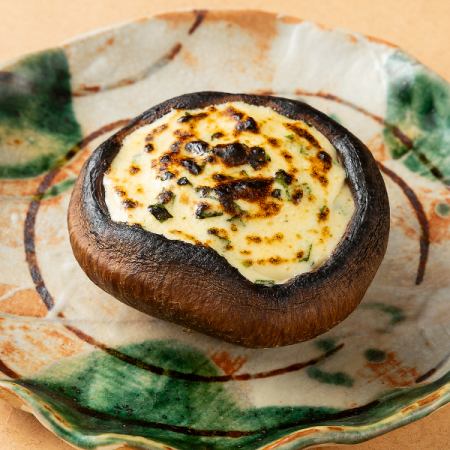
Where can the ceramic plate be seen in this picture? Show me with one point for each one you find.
(99, 374)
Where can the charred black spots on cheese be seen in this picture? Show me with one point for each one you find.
(326, 159)
(154, 132)
(276, 193)
(206, 192)
(233, 154)
(191, 166)
(217, 135)
(283, 178)
(197, 147)
(129, 204)
(183, 181)
(257, 157)
(221, 177)
(175, 147)
(165, 196)
(234, 113)
(133, 170)
(167, 175)
(323, 213)
(183, 135)
(237, 154)
(320, 165)
(273, 141)
(148, 148)
(188, 117)
(305, 134)
(247, 124)
(251, 190)
(296, 196)
(221, 233)
(120, 191)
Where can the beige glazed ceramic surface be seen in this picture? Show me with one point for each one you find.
(100, 374)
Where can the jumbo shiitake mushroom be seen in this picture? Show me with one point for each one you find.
(255, 219)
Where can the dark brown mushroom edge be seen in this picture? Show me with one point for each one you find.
(190, 283)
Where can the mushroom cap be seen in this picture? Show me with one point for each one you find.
(196, 287)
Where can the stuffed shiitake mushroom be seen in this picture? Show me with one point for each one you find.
(255, 219)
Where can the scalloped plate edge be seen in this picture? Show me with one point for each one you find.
(424, 400)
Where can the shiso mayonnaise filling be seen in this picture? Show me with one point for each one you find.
(266, 192)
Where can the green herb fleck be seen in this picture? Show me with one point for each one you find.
(239, 211)
(283, 178)
(202, 212)
(323, 213)
(290, 137)
(215, 232)
(160, 212)
(206, 192)
(307, 188)
(247, 263)
(306, 258)
(208, 214)
(236, 218)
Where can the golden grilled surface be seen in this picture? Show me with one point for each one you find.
(266, 192)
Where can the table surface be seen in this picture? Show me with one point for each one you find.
(420, 27)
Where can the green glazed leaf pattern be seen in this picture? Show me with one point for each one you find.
(37, 122)
(110, 393)
(419, 105)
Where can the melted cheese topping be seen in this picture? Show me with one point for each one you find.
(266, 192)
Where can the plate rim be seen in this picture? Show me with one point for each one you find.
(419, 408)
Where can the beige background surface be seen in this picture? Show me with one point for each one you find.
(421, 27)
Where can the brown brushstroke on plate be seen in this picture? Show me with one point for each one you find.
(8, 371)
(30, 219)
(199, 17)
(421, 218)
(157, 370)
(433, 370)
(162, 61)
(84, 90)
